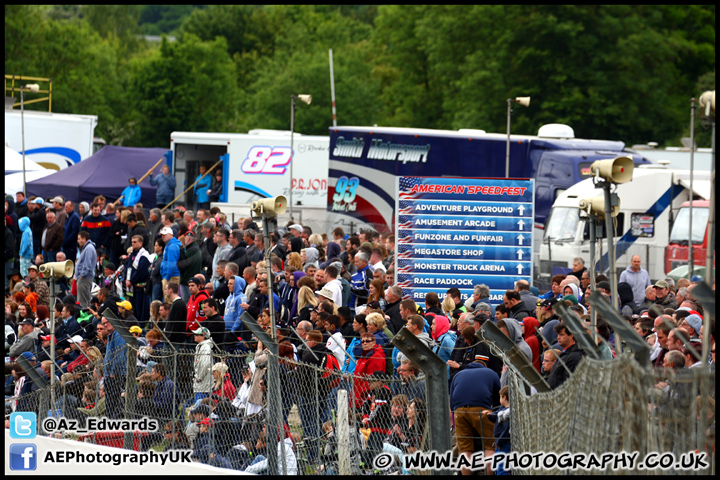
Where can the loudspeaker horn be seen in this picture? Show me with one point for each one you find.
(617, 170)
(269, 206)
(57, 269)
(596, 206)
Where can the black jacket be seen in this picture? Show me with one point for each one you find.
(396, 322)
(559, 374)
(519, 311)
(176, 322)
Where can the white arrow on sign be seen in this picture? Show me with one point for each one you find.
(519, 267)
(521, 223)
(521, 209)
(520, 254)
(520, 239)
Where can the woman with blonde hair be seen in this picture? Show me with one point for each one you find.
(295, 261)
(223, 387)
(307, 301)
(377, 326)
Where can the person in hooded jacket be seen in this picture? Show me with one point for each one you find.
(627, 299)
(233, 308)
(333, 251)
(513, 330)
(294, 310)
(572, 289)
(311, 257)
(26, 246)
(530, 325)
(132, 193)
(444, 338)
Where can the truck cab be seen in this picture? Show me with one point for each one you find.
(648, 205)
(676, 252)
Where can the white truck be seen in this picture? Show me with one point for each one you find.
(53, 140)
(648, 206)
(257, 165)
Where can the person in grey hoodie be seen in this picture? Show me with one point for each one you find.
(513, 330)
(311, 257)
(166, 186)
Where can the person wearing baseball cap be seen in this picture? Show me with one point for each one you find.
(692, 323)
(125, 312)
(203, 379)
(169, 270)
(663, 296)
(296, 229)
(27, 341)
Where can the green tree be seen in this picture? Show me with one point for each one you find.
(300, 65)
(188, 85)
(82, 66)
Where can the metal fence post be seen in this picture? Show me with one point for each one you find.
(343, 432)
(274, 418)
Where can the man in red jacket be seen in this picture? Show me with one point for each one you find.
(195, 314)
(371, 360)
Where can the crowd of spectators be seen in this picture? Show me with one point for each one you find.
(181, 282)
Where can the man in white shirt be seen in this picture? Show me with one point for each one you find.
(376, 260)
(333, 285)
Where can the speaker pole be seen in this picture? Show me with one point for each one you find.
(610, 234)
(52, 340)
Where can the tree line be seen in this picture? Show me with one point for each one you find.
(618, 72)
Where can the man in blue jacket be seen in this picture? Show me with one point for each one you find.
(165, 186)
(85, 268)
(169, 270)
(72, 228)
(201, 188)
(473, 390)
(132, 193)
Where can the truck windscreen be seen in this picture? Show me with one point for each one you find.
(681, 228)
(562, 224)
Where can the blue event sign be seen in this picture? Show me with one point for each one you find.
(464, 237)
(418, 295)
(469, 223)
(445, 281)
(498, 209)
(462, 232)
(469, 267)
(467, 252)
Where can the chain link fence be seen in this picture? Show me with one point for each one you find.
(218, 407)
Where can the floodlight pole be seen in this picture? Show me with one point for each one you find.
(292, 154)
(273, 387)
(691, 247)
(507, 144)
(22, 124)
